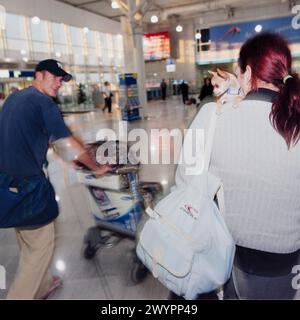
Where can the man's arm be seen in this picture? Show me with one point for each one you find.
(72, 149)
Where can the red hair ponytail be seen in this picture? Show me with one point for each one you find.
(270, 60)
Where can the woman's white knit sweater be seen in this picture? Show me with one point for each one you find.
(261, 177)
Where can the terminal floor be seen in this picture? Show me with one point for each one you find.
(107, 276)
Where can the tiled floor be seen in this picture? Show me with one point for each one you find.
(107, 276)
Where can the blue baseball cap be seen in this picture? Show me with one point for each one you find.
(54, 67)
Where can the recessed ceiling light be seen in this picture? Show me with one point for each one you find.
(154, 19)
(258, 28)
(198, 35)
(179, 28)
(115, 5)
(35, 20)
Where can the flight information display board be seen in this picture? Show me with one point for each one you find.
(156, 46)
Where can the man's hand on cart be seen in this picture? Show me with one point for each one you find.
(101, 170)
(72, 150)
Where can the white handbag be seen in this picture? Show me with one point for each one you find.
(185, 243)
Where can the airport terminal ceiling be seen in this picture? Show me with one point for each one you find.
(184, 9)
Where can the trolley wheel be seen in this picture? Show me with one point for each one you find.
(138, 272)
(89, 252)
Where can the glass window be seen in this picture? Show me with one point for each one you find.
(59, 34)
(119, 43)
(94, 77)
(110, 54)
(103, 41)
(14, 44)
(59, 48)
(76, 36)
(105, 58)
(39, 46)
(97, 43)
(78, 55)
(92, 57)
(39, 32)
(110, 46)
(15, 26)
(91, 35)
(1, 41)
(119, 60)
(115, 43)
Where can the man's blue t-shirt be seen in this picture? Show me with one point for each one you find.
(29, 120)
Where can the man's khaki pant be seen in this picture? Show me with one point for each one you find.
(36, 252)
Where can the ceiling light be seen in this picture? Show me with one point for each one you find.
(115, 5)
(23, 52)
(35, 20)
(85, 29)
(25, 59)
(179, 28)
(57, 54)
(198, 35)
(258, 28)
(154, 19)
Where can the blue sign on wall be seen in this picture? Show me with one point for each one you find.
(21, 74)
(234, 35)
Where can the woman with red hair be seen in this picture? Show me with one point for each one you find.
(256, 153)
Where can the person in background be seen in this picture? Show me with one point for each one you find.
(97, 97)
(207, 89)
(163, 88)
(206, 93)
(256, 154)
(81, 96)
(184, 88)
(29, 121)
(107, 94)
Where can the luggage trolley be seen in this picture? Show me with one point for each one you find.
(118, 201)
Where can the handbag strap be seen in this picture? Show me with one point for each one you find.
(208, 152)
(210, 136)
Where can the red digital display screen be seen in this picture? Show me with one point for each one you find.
(156, 46)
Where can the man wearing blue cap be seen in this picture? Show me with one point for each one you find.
(29, 121)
